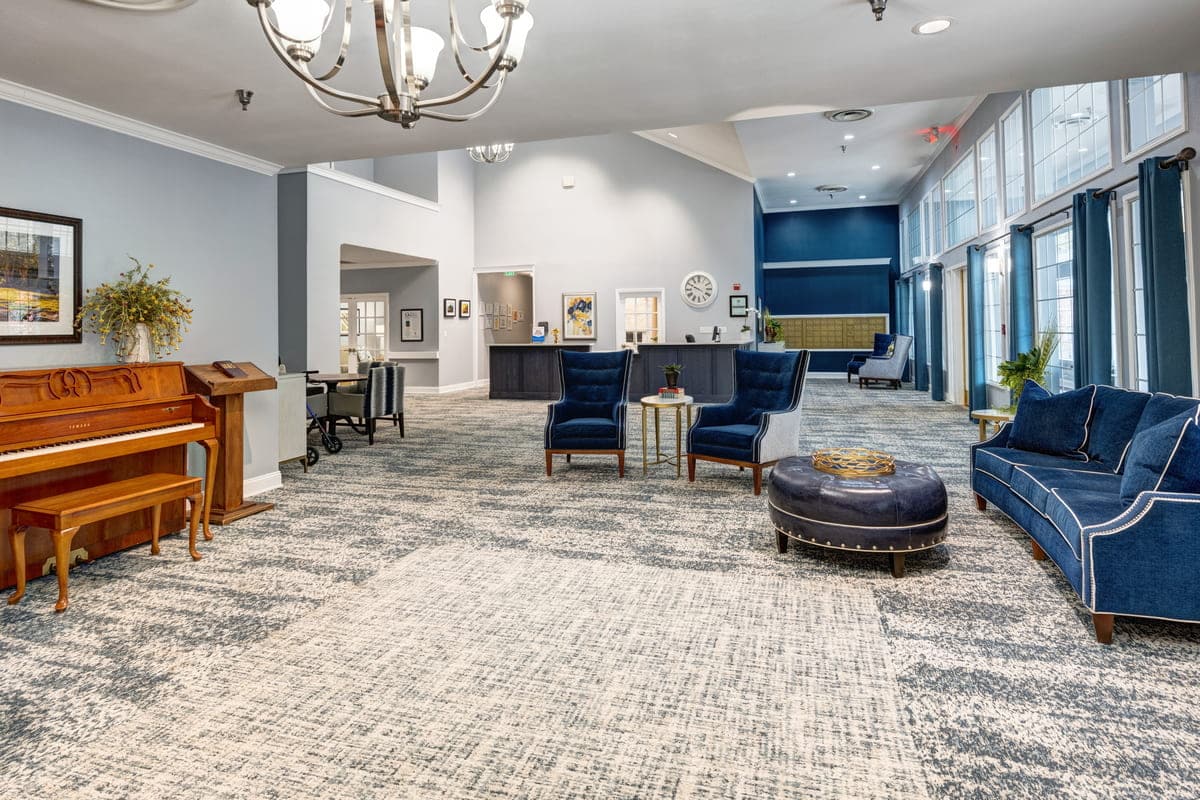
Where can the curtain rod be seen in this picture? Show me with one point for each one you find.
(1181, 158)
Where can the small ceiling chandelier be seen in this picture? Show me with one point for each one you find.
(142, 5)
(491, 153)
(408, 55)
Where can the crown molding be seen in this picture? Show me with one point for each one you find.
(830, 206)
(362, 183)
(98, 117)
(694, 155)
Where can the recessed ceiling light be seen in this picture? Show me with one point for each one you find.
(793, 202)
(849, 137)
(791, 174)
(1083, 149)
(931, 26)
(862, 197)
(672, 134)
(874, 166)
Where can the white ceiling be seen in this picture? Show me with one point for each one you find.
(356, 257)
(811, 146)
(621, 65)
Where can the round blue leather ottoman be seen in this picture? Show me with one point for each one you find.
(888, 514)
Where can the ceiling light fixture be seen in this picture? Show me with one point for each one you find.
(791, 174)
(672, 134)
(848, 114)
(875, 166)
(142, 5)
(830, 189)
(849, 137)
(408, 55)
(793, 202)
(931, 26)
(878, 7)
(490, 153)
(862, 197)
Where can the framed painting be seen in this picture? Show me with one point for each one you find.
(464, 309)
(449, 309)
(412, 325)
(41, 278)
(738, 303)
(579, 315)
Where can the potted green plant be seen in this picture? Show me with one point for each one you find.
(1030, 365)
(142, 317)
(671, 373)
(772, 328)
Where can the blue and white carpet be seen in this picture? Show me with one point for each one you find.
(433, 617)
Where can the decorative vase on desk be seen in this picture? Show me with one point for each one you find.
(143, 318)
(135, 345)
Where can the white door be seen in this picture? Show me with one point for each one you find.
(363, 329)
(956, 334)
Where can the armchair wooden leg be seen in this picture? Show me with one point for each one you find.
(568, 458)
(371, 431)
(549, 463)
(980, 503)
(1103, 623)
(758, 480)
(691, 468)
(401, 424)
(621, 464)
(1038, 553)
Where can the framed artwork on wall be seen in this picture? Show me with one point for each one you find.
(579, 315)
(464, 308)
(412, 325)
(449, 308)
(41, 278)
(738, 303)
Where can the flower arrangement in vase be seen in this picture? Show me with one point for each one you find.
(143, 318)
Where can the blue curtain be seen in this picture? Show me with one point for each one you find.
(977, 387)
(937, 378)
(1164, 261)
(1092, 272)
(920, 341)
(1023, 331)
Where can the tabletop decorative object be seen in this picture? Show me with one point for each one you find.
(853, 462)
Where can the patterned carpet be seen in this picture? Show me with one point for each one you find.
(433, 617)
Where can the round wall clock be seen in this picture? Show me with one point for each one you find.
(699, 289)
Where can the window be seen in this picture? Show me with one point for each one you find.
(1153, 110)
(1070, 136)
(931, 215)
(995, 312)
(1133, 233)
(1054, 286)
(1012, 129)
(363, 320)
(989, 182)
(912, 227)
(641, 316)
(958, 188)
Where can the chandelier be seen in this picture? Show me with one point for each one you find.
(408, 55)
(490, 153)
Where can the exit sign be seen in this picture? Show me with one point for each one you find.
(509, 274)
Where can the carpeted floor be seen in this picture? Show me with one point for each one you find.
(433, 617)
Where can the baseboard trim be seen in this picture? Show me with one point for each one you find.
(448, 388)
(262, 483)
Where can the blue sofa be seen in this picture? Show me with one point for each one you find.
(1106, 482)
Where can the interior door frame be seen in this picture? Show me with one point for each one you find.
(371, 297)
(955, 333)
(477, 330)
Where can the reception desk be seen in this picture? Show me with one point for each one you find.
(707, 369)
(526, 371)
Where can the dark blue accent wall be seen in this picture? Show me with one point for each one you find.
(834, 235)
(760, 250)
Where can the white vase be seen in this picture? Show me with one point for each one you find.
(135, 346)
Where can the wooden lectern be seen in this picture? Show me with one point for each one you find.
(226, 393)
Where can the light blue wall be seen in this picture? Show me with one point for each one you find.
(209, 226)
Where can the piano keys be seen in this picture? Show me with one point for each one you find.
(69, 428)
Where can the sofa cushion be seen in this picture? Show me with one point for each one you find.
(586, 428)
(1034, 484)
(1054, 424)
(1115, 417)
(1164, 458)
(999, 462)
(1072, 510)
(739, 437)
(1163, 407)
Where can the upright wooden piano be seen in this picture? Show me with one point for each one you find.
(67, 428)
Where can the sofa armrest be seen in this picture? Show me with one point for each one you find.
(1145, 561)
(714, 415)
(779, 435)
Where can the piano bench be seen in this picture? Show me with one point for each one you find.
(64, 514)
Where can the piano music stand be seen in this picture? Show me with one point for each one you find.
(226, 394)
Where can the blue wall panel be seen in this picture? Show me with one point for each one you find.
(870, 232)
(829, 290)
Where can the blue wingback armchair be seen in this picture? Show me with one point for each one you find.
(590, 415)
(761, 424)
(882, 342)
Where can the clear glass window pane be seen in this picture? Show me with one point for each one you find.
(989, 182)
(1154, 107)
(1055, 304)
(959, 204)
(1070, 136)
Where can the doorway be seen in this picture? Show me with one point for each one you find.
(504, 311)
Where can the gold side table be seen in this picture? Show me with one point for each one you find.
(993, 416)
(653, 401)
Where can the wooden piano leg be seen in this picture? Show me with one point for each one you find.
(16, 538)
(194, 502)
(155, 524)
(211, 447)
(62, 563)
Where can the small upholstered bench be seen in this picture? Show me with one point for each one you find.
(64, 514)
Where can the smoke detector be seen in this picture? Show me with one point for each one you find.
(848, 115)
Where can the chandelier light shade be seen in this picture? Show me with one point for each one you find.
(408, 55)
(491, 153)
(142, 5)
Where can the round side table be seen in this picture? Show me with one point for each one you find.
(653, 401)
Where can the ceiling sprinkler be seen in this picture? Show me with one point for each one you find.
(878, 6)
